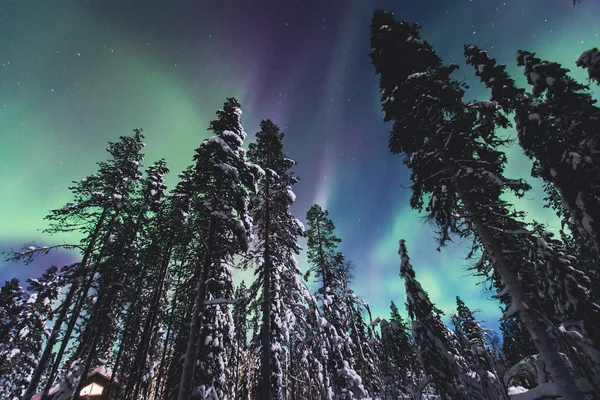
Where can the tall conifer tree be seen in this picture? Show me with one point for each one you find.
(437, 347)
(222, 180)
(452, 149)
(276, 234)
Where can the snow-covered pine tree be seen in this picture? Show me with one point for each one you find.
(557, 127)
(361, 335)
(222, 181)
(185, 273)
(329, 265)
(132, 366)
(94, 213)
(400, 364)
(25, 316)
(478, 356)
(118, 262)
(565, 120)
(437, 346)
(12, 306)
(275, 243)
(452, 149)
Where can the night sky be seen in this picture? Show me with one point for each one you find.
(77, 74)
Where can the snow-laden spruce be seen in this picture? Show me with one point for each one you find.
(438, 349)
(102, 205)
(472, 338)
(331, 271)
(451, 148)
(274, 245)
(222, 180)
(25, 321)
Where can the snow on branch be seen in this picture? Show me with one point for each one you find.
(29, 254)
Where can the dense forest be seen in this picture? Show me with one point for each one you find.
(151, 306)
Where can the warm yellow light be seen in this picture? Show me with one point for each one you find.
(93, 389)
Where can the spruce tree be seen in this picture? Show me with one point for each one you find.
(141, 308)
(222, 180)
(321, 247)
(557, 127)
(329, 267)
(12, 307)
(400, 364)
(276, 234)
(94, 213)
(27, 315)
(118, 263)
(451, 148)
(479, 357)
(437, 347)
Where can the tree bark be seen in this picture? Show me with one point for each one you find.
(266, 317)
(149, 323)
(159, 384)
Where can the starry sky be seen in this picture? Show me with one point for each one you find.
(75, 74)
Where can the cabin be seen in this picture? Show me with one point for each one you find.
(93, 386)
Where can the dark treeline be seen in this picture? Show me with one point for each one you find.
(151, 304)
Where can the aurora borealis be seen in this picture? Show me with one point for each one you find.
(75, 74)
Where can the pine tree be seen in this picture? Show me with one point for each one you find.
(437, 347)
(222, 181)
(557, 129)
(98, 200)
(361, 335)
(566, 122)
(479, 357)
(329, 265)
(12, 306)
(29, 313)
(186, 273)
(321, 247)
(140, 321)
(452, 150)
(118, 261)
(400, 364)
(276, 234)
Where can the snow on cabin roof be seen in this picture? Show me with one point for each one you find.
(101, 371)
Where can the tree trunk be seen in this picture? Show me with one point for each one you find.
(150, 321)
(103, 305)
(75, 315)
(266, 317)
(563, 380)
(187, 375)
(65, 341)
(45, 359)
(166, 345)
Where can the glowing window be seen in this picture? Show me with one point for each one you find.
(93, 389)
